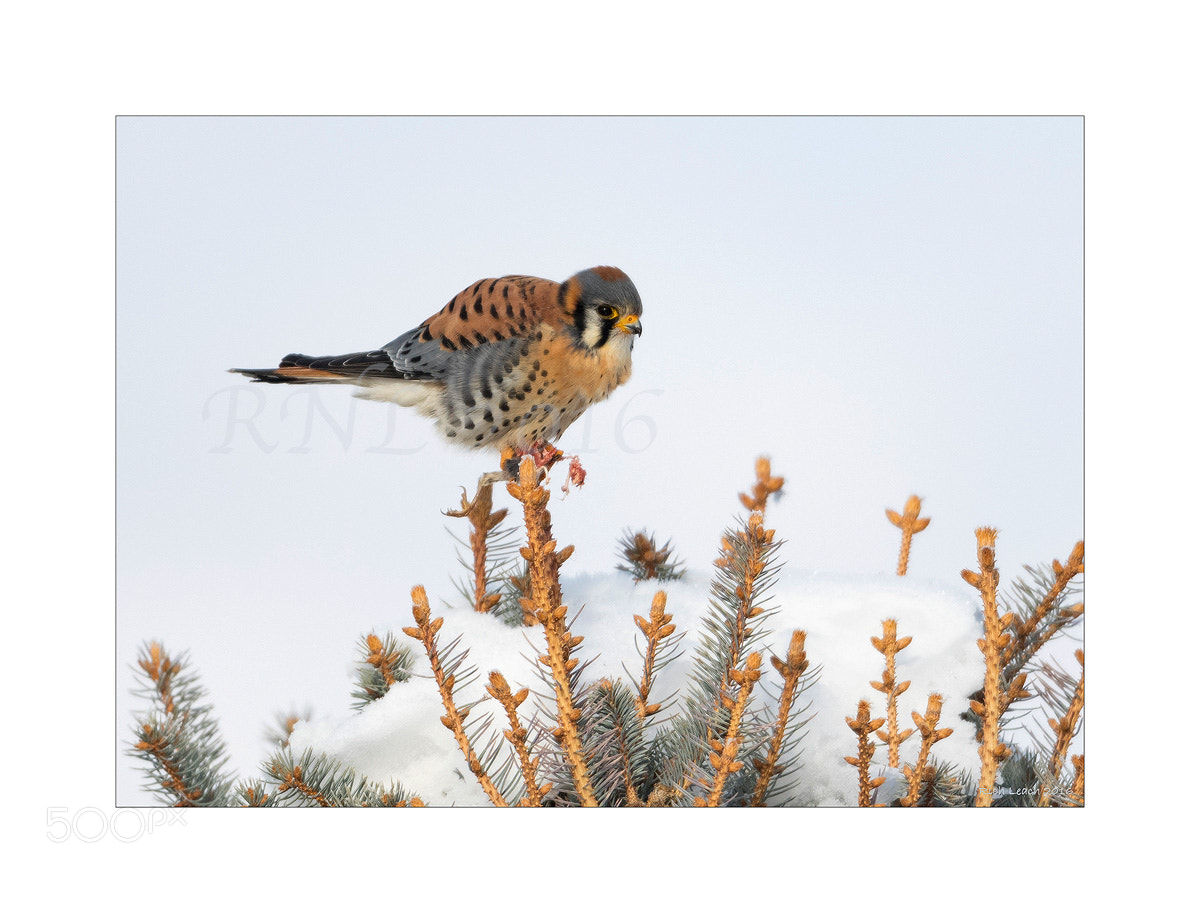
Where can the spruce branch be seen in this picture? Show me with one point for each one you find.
(318, 780)
(499, 689)
(1025, 629)
(889, 645)
(485, 566)
(909, 525)
(764, 486)
(292, 783)
(632, 798)
(540, 554)
(791, 669)
(169, 762)
(745, 573)
(944, 786)
(1041, 610)
(725, 749)
(864, 727)
(254, 794)
(1021, 778)
(444, 675)
(640, 556)
(1077, 782)
(746, 557)
(661, 649)
(285, 723)
(991, 751)
(1013, 691)
(921, 775)
(385, 662)
(619, 762)
(544, 606)
(515, 587)
(1064, 728)
(158, 667)
(394, 799)
(735, 622)
(177, 738)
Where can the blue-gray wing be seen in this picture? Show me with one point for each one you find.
(483, 318)
(471, 338)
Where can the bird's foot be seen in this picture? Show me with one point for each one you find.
(544, 456)
(493, 477)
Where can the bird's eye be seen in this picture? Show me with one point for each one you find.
(607, 311)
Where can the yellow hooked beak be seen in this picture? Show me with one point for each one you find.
(630, 324)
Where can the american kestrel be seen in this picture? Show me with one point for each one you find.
(508, 364)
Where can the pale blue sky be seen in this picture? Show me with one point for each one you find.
(885, 306)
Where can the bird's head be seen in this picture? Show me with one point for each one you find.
(602, 308)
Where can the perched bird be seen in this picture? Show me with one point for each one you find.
(507, 364)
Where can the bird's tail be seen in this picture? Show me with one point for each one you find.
(299, 369)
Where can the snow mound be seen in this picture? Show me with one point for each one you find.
(400, 738)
